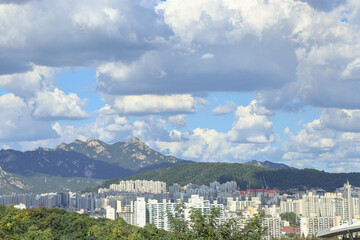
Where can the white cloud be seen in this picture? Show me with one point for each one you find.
(352, 70)
(177, 121)
(252, 124)
(28, 84)
(209, 145)
(18, 123)
(155, 57)
(341, 119)
(38, 89)
(313, 138)
(227, 108)
(251, 51)
(327, 55)
(58, 105)
(207, 56)
(84, 32)
(198, 144)
(291, 50)
(322, 144)
(155, 104)
(213, 21)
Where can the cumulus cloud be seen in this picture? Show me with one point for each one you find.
(352, 70)
(289, 50)
(227, 108)
(38, 89)
(153, 104)
(28, 84)
(177, 121)
(252, 124)
(85, 32)
(331, 140)
(327, 62)
(313, 138)
(251, 52)
(198, 144)
(153, 58)
(207, 56)
(250, 137)
(210, 145)
(341, 119)
(17, 121)
(58, 105)
(112, 127)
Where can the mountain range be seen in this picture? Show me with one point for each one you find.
(58, 163)
(133, 154)
(84, 162)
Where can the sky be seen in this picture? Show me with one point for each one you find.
(203, 80)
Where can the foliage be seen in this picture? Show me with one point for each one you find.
(290, 217)
(243, 174)
(15, 183)
(58, 224)
(207, 226)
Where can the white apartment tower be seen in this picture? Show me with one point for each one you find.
(140, 212)
(349, 202)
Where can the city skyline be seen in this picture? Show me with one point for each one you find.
(140, 202)
(225, 81)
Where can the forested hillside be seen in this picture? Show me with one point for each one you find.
(245, 175)
(57, 224)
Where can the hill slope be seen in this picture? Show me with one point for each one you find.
(58, 163)
(76, 166)
(133, 154)
(243, 174)
(11, 183)
(269, 164)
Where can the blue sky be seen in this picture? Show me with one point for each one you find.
(215, 80)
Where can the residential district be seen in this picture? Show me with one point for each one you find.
(139, 202)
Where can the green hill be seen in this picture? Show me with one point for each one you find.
(243, 174)
(11, 183)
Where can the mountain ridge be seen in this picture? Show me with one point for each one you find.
(133, 154)
(244, 174)
(57, 163)
(83, 166)
(269, 164)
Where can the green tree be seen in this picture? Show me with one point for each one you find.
(179, 225)
(290, 217)
(206, 226)
(150, 232)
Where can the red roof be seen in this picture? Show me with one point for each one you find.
(259, 191)
(290, 230)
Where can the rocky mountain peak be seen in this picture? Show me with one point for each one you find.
(268, 164)
(91, 140)
(77, 141)
(137, 143)
(41, 149)
(133, 154)
(135, 140)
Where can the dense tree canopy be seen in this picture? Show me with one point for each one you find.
(56, 223)
(259, 177)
